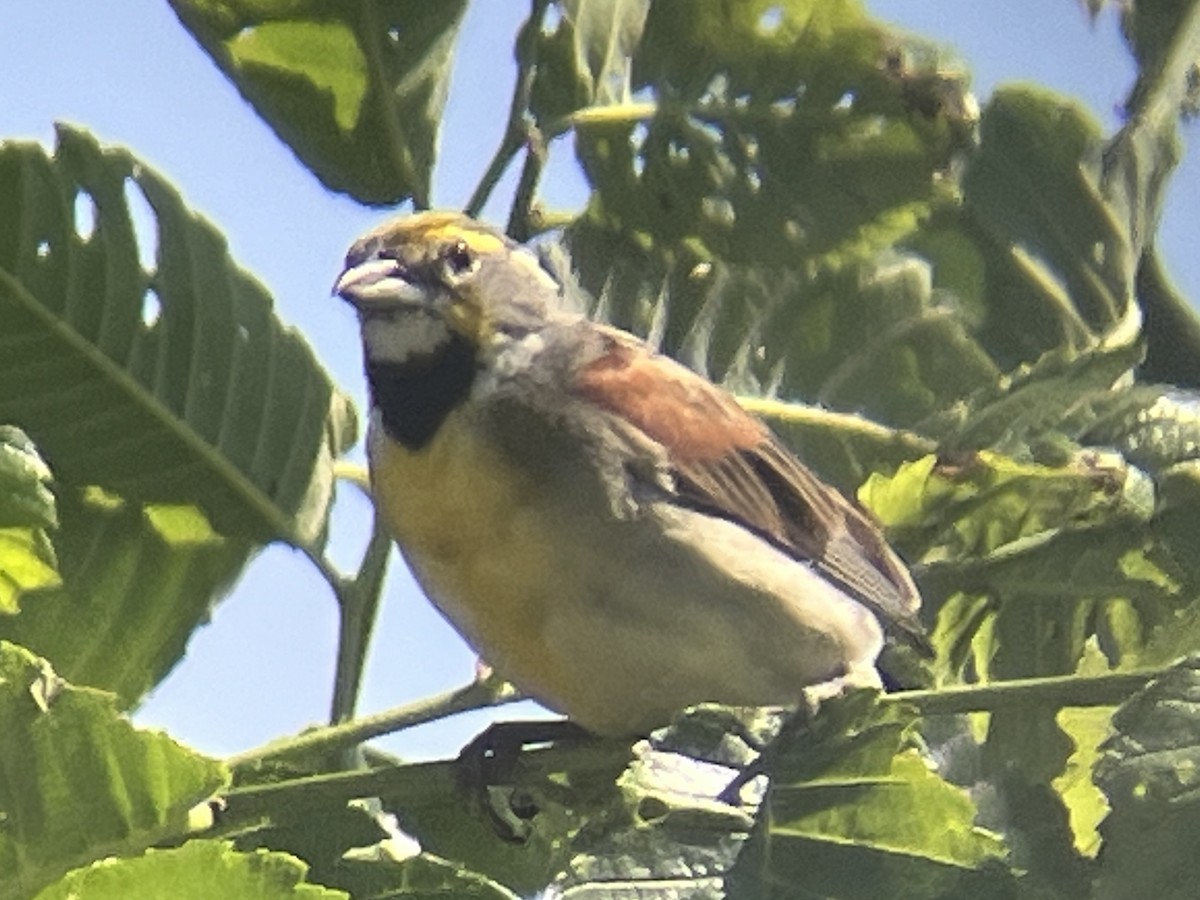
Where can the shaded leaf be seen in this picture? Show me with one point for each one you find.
(176, 385)
(1172, 328)
(584, 52)
(347, 846)
(448, 819)
(357, 93)
(1150, 771)
(1059, 262)
(78, 782)
(422, 877)
(853, 806)
(775, 148)
(1048, 402)
(198, 870)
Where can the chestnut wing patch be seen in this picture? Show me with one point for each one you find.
(727, 462)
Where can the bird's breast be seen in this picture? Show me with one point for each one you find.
(473, 531)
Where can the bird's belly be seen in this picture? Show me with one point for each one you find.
(616, 622)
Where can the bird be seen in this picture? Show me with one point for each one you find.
(612, 532)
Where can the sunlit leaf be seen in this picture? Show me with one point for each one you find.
(174, 385)
(78, 782)
(137, 579)
(27, 558)
(199, 870)
(357, 92)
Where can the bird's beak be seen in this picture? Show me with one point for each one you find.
(376, 282)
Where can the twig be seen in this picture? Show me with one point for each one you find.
(799, 414)
(516, 133)
(358, 607)
(1058, 691)
(520, 226)
(477, 695)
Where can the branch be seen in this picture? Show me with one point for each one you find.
(477, 695)
(1058, 691)
(358, 607)
(802, 415)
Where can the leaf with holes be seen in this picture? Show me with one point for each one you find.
(181, 440)
(356, 91)
(207, 399)
(78, 782)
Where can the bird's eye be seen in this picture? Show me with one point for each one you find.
(459, 259)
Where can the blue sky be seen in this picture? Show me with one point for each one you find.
(128, 72)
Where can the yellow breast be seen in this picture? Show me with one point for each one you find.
(477, 539)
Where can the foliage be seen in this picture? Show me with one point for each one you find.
(957, 313)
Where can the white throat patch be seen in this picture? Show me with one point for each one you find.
(398, 338)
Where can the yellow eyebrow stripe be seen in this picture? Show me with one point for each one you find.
(479, 241)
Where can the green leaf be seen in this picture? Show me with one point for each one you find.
(199, 870)
(176, 385)
(78, 782)
(137, 580)
(27, 558)
(1059, 262)
(25, 497)
(853, 806)
(1024, 563)
(770, 141)
(422, 877)
(740, 203)
(1085, 803)
(1172, 328)
(27, 564)
(1150, 771)
(1153, 426)
(986, 504)
(583, 56)
(356, 92)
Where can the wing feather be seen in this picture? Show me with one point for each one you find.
(727, 462)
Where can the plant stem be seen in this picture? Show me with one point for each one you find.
(358, 602)
(800, 414)
(516, 133)
(1058, 691)
(477, 695)
(419, 784)
(520, 224)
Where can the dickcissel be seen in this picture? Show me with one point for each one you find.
(609, 530)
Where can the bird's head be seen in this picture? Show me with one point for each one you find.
(424, 281)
